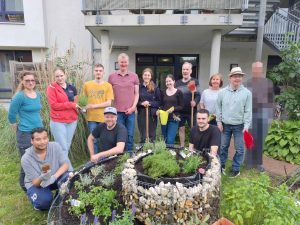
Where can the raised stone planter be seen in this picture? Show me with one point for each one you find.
(169, 201)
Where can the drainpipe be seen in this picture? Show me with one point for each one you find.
(260, 30)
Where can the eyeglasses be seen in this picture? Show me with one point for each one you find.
(29, 81)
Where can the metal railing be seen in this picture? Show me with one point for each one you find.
(110, 5)
(281, 28)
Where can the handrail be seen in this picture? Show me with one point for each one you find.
(278, 26)
(100, 5)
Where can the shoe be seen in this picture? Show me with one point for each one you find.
(234, 174)
(223, 170)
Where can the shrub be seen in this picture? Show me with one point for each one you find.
(249, 201)
(283, 141)
(7, 134)
(191, 164)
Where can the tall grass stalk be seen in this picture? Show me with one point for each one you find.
(7, 134)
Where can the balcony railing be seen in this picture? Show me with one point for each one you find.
(156, 5)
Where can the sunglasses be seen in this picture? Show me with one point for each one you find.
(29, 81)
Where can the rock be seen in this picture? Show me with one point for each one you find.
(188, 203)
(141, 189)
(158, 213)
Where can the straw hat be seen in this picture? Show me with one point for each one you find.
(236, 70)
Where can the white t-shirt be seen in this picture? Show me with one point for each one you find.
(209, 99)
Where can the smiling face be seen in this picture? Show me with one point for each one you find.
(40, 140)
(60, 77)
(28, 82)
(186, 71)
(110, 119)
(215, 81)
(98, 72)
(236, 80)
(123, 63)
(170, 82)
(147, 77)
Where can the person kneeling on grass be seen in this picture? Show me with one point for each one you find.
(204, 135)
(112, 136)
(46, 168)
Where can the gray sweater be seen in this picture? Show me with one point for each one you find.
(32, 164)
(234, 107)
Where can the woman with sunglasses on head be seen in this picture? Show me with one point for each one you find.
(24, 113)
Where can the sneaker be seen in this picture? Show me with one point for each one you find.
(234, 174)
(223, 170)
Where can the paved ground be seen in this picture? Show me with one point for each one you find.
(273, 166)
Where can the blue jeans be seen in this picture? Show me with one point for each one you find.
(237, 132)
(63, 134)
(128, 121)
(41, 198)
(169, 131)
(92, 125)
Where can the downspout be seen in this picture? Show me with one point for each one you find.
(260, 30)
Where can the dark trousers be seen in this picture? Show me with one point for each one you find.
(23, 142)
(142, 125)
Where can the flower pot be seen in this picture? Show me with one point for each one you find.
(223, 221)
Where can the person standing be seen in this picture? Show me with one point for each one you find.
(171, 101)
(209, 96)
(234, 116)
(46, 168)
(26, 107)
(149, 99)
(126, 92)
(63, 110)
(100, 96)
(189, 103)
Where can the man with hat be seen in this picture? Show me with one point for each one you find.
(112, 136)
(234, 116)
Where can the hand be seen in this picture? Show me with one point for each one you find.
(45, 176)
(193, 103)
(146, 104)
(89, 106)
(213, 153)
(220, 126)
(245, 129)
(77, 106)
(48, 182)
(130, 110)
(94, 158)
(157, 112)
(14, 126)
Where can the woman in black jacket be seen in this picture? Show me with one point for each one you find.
(149, 97)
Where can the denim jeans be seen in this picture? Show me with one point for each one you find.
(92, 125)
(41, 198)
(128, 121)
(237, 132)
(23, 142)
(63, 134)
(169, 131)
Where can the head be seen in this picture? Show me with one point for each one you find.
(147, 79)
(39, 138)
(202, 118)
(27, 81)
(110, 116)
(170, 81)
(98, 71)
(60, 76)
(216, 81)
(123, 61)
(235, 77)
(186, 70)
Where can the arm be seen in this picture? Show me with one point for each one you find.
(14, 110)
(113, 151)
(157, 96)
(136, 99)
(61, 170)
(248, 112)
(214, 150)
(219, 112)
(179, 101)
(202, 106)
(58, 106)
(90, 144)
(100, 105)
(191, 147)
(197, 93)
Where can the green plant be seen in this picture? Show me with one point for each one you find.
(191, 164)
(120, 164)
(82, 100)
(97, 170)
(283, 141)
(160, 146)
(85, 179)
(7, 134)
(108, 179)
(160, 164)
(253, 200)
(125, 219)
(287, 75)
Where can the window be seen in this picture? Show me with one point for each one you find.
(11, 11)
(5, 75)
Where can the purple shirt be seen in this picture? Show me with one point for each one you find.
(123, 87)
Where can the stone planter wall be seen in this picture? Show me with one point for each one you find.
(167, 203)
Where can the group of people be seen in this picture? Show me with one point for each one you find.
(111, 119)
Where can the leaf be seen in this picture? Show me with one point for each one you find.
(283, 142)
(284, 152)
(294, 149)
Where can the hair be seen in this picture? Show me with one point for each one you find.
(38, 130)
(98, 65)
(22, 74)
(123, 56)
(150, 86)
(170, 76)
(203, 111)
(212, 76)
(188, 63)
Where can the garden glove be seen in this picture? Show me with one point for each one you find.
(45, 176)
(48, 182)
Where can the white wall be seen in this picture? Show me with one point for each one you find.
(28, 35)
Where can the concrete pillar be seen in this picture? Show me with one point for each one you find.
(260, 30)
(105, 52)
(215, 52)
